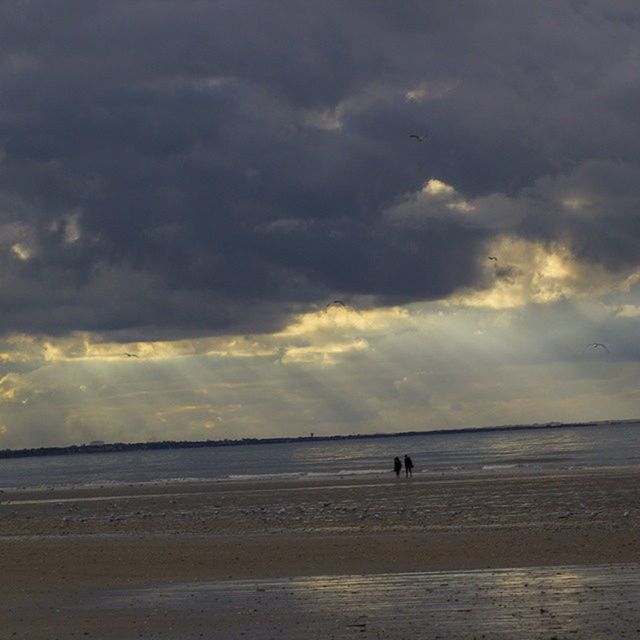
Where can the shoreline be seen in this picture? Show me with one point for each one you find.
(302, 479)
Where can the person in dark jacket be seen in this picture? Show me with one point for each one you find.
(397, 466)
(408, 466)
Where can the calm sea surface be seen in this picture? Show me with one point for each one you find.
(529, 450)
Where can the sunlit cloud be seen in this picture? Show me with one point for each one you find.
(324, 336)
(417, 95)
(204, 416)
(528, 272)
(333, 330)
(438, 189)
(461, 205)
(335, 370)
(325, 353)
(11, 385)
(332, 118)
(88, 346)
(20, 251)
(17, 239)
(435, 198)
(239, 347)
(336, 318)
(430, 91)
(324, 119)
(575, 203)
(68, 226)
(628, 311)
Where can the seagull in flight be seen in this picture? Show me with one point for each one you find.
(416, 137)
(131, 355)
(337, 303)
(492, 258)
(595, 345)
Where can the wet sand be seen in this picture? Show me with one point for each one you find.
(598, 601)
(59, 548)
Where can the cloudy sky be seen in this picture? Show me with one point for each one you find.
(186, 186)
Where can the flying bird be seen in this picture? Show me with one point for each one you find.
(337, 303)
(416, 137)
(492, 258)
(131, 355)
(595, 345)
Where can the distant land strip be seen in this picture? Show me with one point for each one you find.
(98, 447)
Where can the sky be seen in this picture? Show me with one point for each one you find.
(187, 187)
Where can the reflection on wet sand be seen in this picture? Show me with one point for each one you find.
(578, 602)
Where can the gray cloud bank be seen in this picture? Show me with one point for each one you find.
(172, 169)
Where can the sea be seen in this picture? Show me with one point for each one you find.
(480, 451)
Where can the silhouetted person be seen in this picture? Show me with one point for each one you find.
(397, 466)
(408, 466)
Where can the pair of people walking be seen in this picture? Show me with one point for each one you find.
(408, 466)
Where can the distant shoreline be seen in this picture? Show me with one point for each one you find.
(197, 444)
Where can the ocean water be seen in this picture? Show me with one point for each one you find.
(526, 450)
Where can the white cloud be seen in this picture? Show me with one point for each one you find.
(462, 206)
(575, 203)
(430, 91)
(530, 272)
(69, 225)
(437, 188)
(21, 251)
(72, 231)
(325, 353)
(416, 95)
(435, 198)
(11, 387)
(628, 311)
(333, 331)
(324, 119)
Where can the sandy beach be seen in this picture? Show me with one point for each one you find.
(61, 545)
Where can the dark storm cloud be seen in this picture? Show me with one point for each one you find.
(595, 209)
(176, 168)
